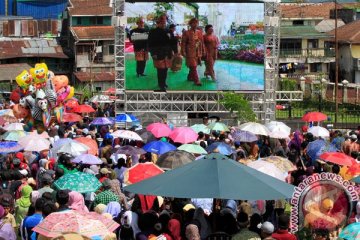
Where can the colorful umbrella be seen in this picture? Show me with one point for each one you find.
(71, 117)
(71, 104)
(159, 147)
(130, 150)
(201, 128)
(314, 117)
(2, 121)
(126, 134)
(183, 135)
(267, 168)
(73, 148)
(123, 117)
(214, 176)
(316, 148)
(9, 147)
(33, 143)
(110, 91)
(42, 135)
(13, 135)
(192, 148)
(140, 172)
(91, 143)
(174, 159)
(244, 136)
(351, 231)
(87, 159)
(79, 182)
(218, 126)
(255, 128)
(220, 147)
(84, 109)
(337, 158)
(318, 131)
(8, 115)
(159, 129)
(281, 163)
(100, 99)
(102, 121)
(89, 224)
(14, 127)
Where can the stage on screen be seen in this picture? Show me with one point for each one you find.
(195, 46)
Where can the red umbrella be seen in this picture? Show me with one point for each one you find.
(337, 158)
(183, 135)
(141, 171)
(354, 169)
(314, 117)
(111, 91)
(71, 104)
(280, 107)
(84, 109)
(91, 143)
(71, 117)
(159, 129)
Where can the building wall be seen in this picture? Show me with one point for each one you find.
(6, 9)
(101, 86)
(86, 21)
(345, 63)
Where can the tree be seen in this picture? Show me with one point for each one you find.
(236, 103)
(162, 8)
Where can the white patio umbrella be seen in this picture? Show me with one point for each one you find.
(126, 134)
(100, 99)
(267, 168)
(33, 143)
(73, 148)
(255, 128)
(14, 127)
(318, 131)
(275, 126)
(279, 134)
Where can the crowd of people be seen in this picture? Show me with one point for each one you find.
(28, 194)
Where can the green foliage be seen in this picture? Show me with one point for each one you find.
(237, 103)
(162, 8)
(287, 84)
(84, 91)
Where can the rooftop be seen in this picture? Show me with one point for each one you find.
(328, 25)
(90, 8)
(93, 33)
(349, 33)
(304, 32)
(307, 10)
(10, 71)
(96, 77)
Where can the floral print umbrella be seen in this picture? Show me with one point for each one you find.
(79, 182)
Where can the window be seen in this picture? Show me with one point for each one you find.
(298, 23)
(313, 43)
(315, 67)
(78, 21)
(111, 49)
(96, 21)
(98, 89)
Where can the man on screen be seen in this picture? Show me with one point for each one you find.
(159, 43)
(139, 37)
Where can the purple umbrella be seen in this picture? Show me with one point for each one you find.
(10, 147)
(102, 121)
(130, 150)
(244, 136)
(87, 159)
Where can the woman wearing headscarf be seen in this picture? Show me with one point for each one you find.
(6, 230)
(77, 202)
(130, 220)
(174, 227)
(296, 141)
(114, 209)
(192, 232)
(100, 208)
(115, 188)
(22, 204)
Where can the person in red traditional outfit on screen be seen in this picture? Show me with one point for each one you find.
(192, 48)
(211, 43)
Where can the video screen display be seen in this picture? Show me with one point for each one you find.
(194, 46)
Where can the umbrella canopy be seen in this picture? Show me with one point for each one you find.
(14, 127)
(146, 136)
(244, 136)
(9, 147)
(79, 182)
(123, 117)
(87, 159)
(281, 163)
(141, 171)
(33, 143)
(201, 128)
(73, 148)
(351, 231)
(8, 115)
(84, 109)
(318, 131)
(223, 184)
(183, 135)
(174, 159)
(102, 121)
(110, 91)
(220, 147)
(356, 179)
(159, 129)
(130, 150)
(255, 128)
(314, 117)
(91, 143)
(100, 99)
(159, 147)
(41, 135)
(126, 134)
(267, 168)
(71, 117)
(89, 224)
(218, 126)
(275, 126)
(192, 148)
(337, 158)
(279, 134)
(13, 135)
(316, 148)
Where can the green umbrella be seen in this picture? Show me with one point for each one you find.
(356, 179)
(214, 176)
(218, 126)
(79, 182)
(192, 148)
(201, 128)
(13, 135)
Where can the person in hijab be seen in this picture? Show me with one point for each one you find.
(22, 204)
(115, 188)
(114, 209)
(6, 231)
(296, 141)
(77, 202)
(174, 227)
(130, 220)
(192, 232)
(100, 208)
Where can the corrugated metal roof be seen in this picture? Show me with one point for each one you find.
(328, 25)
(302, 32)
(96, 77)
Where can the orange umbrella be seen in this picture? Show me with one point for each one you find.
(91, 143)
(71, 117)
(141, 171)
(83, 109)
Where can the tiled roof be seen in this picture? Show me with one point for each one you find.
(10, 71)
(21, 48)
(93, 32)
(96, 77)
(307, 10)
(90, 8)
(348, 33)
(301, 32)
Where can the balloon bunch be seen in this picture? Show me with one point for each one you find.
(40, 96)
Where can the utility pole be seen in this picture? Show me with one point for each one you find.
(336, 65)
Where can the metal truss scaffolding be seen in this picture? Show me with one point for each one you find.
(263, 103)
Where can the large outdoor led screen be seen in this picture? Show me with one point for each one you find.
(228, 56)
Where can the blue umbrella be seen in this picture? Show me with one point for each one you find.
(159, 147)
(102, 121)
(220, 147)
(351, 231)
(317, 147)
(244, 136)
(123, 117)
(10, 147)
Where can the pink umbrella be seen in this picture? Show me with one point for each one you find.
(159, 129)
(183, 135)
